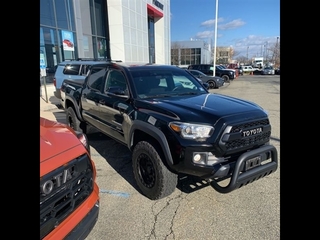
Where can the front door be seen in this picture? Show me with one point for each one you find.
(114, 106)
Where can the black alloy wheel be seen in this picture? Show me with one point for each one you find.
(153, 178)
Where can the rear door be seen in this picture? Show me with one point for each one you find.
(91, 95)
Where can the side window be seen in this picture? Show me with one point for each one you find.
(71, 69)
(163, 83)
(183, 82)
(115, 81)
(84, 69)
(95, 79)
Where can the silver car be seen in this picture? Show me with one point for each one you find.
(268, 71)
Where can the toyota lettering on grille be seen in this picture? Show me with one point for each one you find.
(248, 133)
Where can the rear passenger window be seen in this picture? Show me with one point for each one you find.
(95, 80)
(71, 69)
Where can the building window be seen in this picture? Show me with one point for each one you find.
(101, 48)
(190, 56)
(97, 13)
(175, 56)
(223, 53)
(152, 57)
(197, 59)
(64, 14)
(47, 16)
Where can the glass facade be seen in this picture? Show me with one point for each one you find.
(69, 31)
(187, 56)
(152, 57)
(136, 31)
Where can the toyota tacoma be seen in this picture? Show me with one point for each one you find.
(173, 125)
(69, 194)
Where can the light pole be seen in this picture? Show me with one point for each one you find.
(215, 41)
(265, 52)
(275, 60)
(248, 54)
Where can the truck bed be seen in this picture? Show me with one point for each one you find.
(69, 85)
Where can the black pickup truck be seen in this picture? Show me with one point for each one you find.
(226, 74)
(173, 125)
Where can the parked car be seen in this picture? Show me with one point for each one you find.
(277, 71)
(269, 70)
(173, 129)
(240, 70)
(69, 194)
(236, 73)
(213, 81)
(226, 74)
(247, 69)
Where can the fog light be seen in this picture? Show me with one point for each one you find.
(196, 158)
(200, 157)
(206, 158)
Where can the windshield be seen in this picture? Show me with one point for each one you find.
(165, 83)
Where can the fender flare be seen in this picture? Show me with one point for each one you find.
(155, 133)
(76, 107)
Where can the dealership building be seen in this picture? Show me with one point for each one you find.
(128, 30)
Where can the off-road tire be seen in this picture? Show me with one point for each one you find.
(152, 176)
(72, 119)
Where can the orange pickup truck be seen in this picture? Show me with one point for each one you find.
(69, 194)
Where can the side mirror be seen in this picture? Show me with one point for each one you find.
(117, 91)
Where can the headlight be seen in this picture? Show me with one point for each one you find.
(192, 131)
(83, 139)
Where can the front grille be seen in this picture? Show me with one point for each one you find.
(239, 127)
(233, 140)
(62, 191)
(250, 141)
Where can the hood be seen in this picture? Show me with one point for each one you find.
(203, 108)
(55, 138)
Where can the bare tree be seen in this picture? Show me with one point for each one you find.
(234, 53)
(242, 59)
(275, 51)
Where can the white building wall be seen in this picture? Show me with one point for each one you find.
(159, 41)
(128, 30)
(116, 29)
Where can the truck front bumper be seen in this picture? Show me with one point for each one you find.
(244, 169)
(82, 230)
(247, 168)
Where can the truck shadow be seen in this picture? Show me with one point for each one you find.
(119, 158)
